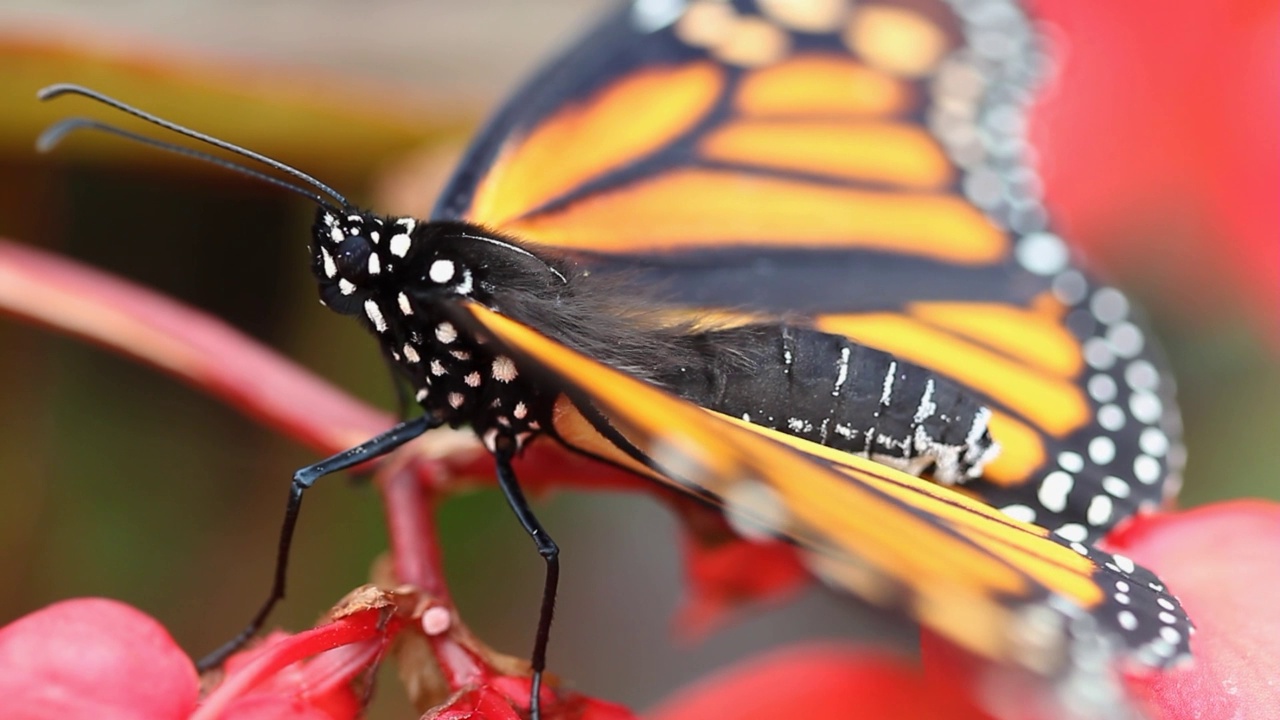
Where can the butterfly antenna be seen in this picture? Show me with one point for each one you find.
(53, 91)
(54, 134)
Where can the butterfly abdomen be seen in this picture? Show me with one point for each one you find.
(830, 390)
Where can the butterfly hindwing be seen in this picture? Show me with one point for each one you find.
(960, 567)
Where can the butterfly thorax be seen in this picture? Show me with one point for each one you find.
(407, 281)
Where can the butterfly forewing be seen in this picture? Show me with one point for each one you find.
(860, 165)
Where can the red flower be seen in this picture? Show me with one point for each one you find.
(1160, 137)
(1222, 560)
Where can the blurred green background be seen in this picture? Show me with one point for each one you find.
(117, 481)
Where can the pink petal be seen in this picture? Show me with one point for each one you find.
(1223, 562)
(93, 658)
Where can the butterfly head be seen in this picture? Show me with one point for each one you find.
(358, 256)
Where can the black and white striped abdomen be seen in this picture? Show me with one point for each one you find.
(835, 392)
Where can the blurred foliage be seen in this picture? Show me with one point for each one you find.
(117, 481)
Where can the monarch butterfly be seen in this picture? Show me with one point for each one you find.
(784, 257)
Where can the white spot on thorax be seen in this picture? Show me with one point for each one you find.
(472, 378)
(346, 287)
(456, 400)
(330, 267)
(503, 369)
(375, 265)
(446, 332)
(403, 301)
(399, 245)
(520, 411)
(336, 235)
(441, 271)
(410, 354)
(438, 369)
(374, 313)
(421, 395)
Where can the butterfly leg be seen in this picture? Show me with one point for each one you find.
(303, 479)
(504, 448)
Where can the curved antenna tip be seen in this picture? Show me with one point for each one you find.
(50, 92)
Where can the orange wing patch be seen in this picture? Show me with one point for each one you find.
(879, 152)
(827, 86)
(629, 119)
(1052, 402)
(684, 208)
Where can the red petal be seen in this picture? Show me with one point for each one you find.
(1221, 561)
(482, 703)
(1160, 144)
(724, 572)
(815, 682)
(93, 658)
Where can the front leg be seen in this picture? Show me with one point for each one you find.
(303, 479)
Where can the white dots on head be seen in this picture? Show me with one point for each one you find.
(473, 379)
(407, 223)
(1054, 490)
(1042, 253)
(1020, 512)
(400, 244)
(446, 332)
(520, 412)
(1072, 532)
(336, 235)
(330, 267)
(403, 301)
(503, 369)
(346, 287)
(355, 220)
(375, 265)
(374, 313)
(456, 400)
(441, 271)
(410, 354)
(374, 236)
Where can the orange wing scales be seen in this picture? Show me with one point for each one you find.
(872, 152)
(638, 115)
(685, 208)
